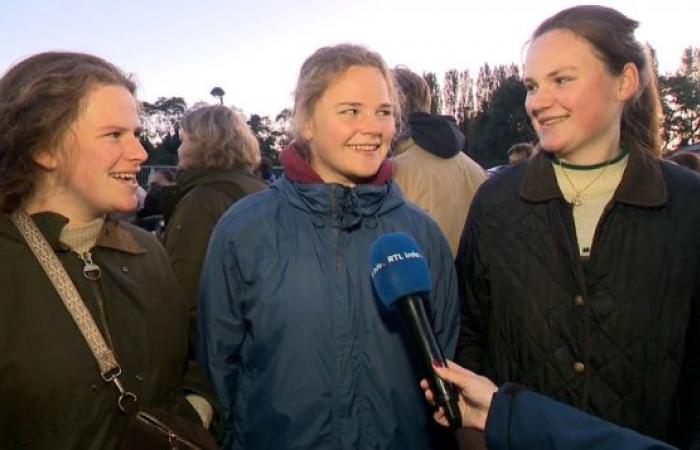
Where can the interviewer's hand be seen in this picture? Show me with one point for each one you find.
(474, 399)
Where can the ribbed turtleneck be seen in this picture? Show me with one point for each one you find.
(82, 238)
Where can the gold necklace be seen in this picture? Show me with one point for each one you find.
(576, 200)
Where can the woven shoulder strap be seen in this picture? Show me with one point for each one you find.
(68, 293)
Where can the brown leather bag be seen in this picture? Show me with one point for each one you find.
(153, 429)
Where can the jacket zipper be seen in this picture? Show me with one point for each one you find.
(337, 232)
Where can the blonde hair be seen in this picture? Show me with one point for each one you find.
(323, 67)
(217, 137)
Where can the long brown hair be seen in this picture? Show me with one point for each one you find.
(611, 33)
(40, 98)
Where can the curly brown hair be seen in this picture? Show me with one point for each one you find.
(40, 98)
(217, 137)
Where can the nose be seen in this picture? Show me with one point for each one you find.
(538, 100)
(136, 151)
(372, 123)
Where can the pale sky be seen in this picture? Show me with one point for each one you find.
(253, 48)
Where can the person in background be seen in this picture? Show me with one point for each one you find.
(578, 277)
(300, 351)
(218, 156)
(151, 216)
(515, 418)
(69, 158)
(265, 170)
(686, 159)
(429, 164)
(519, 152)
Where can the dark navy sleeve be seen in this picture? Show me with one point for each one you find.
(220, 322)
(523, 420)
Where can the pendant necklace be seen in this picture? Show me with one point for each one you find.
(577, 199)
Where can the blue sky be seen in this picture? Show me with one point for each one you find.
(254, 48)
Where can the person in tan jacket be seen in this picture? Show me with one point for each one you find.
(429, 164)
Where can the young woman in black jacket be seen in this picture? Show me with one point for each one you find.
(579, 269)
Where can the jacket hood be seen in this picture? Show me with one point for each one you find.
(297, 168)
(438, 135)
(333, 204)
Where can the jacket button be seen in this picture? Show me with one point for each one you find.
(125, 269)
(579, 367)
(579, 300)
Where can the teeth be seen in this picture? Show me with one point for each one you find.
(552, 120)
(124, 176)
(364, 148)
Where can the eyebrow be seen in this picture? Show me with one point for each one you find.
(355, 104)
(554, 72)
(137, 130)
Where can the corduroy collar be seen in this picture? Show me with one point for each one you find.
(113, 234)
(642, 182)
(298, 169)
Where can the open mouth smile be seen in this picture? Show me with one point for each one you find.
(124, 177)
(364, 147)
(549, 121)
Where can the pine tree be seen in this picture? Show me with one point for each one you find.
(436, 100)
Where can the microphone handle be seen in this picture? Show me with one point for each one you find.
(422, 337)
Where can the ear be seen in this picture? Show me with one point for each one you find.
(46, 159)
(307, 129)
(628, 82)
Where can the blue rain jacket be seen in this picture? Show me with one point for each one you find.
(301, 352)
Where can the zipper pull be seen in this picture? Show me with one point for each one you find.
(91, 271)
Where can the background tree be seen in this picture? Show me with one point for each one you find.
(283, 127)
(160, 136)
(218, 93)
(681, 102)
(450, 93)
(465, 100)
(266, 135)
(436, 98)
(485, 85)
(502, 123)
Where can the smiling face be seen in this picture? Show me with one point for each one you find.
(94, 171)
(575, 104)
(351, 127)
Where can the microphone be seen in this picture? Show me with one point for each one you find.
(401, 279)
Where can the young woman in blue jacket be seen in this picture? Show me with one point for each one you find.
(299, 350)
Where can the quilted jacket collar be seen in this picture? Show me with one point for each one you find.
(642, 183)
